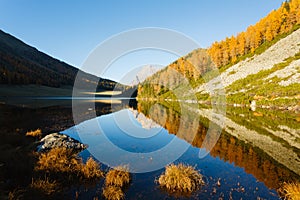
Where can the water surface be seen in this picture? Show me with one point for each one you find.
(151, 136)
(252, 153)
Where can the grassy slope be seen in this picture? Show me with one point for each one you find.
(268, 91)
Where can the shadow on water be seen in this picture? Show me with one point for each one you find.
(17, 116)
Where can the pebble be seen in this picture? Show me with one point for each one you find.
(219, 183)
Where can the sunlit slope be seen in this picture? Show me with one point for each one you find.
(261, 64)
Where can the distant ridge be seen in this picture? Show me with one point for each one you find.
(21, 64)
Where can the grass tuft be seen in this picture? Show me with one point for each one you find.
(118, 176)
(16, 194)
(45, 186)
(182, 178)
(62, 160)
(115, 180)
(37, 133)
(112, 192)
(291, 191)
(58, 160)
(91, 169)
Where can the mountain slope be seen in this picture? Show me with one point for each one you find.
(271, 78)
(184, 73)
(21, 64)
(267, 72)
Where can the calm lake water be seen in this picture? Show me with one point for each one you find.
(251, 153)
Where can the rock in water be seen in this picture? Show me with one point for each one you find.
(56, 140)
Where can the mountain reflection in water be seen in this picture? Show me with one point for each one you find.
(247, 166)
(228, 148)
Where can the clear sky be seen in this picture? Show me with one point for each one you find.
(70, 29)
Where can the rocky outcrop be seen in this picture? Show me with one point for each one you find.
(277, 53)
(289, 74)
(56, 140)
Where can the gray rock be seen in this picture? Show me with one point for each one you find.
(56, 140)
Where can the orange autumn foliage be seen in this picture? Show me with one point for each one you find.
(277, 22)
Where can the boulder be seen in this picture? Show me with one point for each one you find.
(56, 140)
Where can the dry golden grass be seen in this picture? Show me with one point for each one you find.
(181, 178)
(118, 177)
(291, 191)
(45, 186)
(62, 160)
(111, 192)
(58, 160)
(37, 133)
(91, 169)
(16, 194)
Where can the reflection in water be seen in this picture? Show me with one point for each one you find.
(229, 148)
(145, 128)
(107, 101)
(52, 116)
(127, 137)
(144, 121)
(118, 139)
(16, 159)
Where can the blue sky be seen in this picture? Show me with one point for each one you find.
(69, 30)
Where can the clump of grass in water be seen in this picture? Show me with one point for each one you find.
(37, 133)
(62, 160)
(91, 169)
(291, 191)
(118, 177)
(115, 180)
(182, 178)
(112, 192)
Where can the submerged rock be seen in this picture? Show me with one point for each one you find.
(56, 140)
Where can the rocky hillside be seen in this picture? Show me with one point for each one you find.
(271, 78)
(278, 53)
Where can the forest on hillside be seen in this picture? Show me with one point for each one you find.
(201, 65)
(278, 22)
(21, 64)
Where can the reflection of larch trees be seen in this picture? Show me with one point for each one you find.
(228, 148)
(254, 161)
